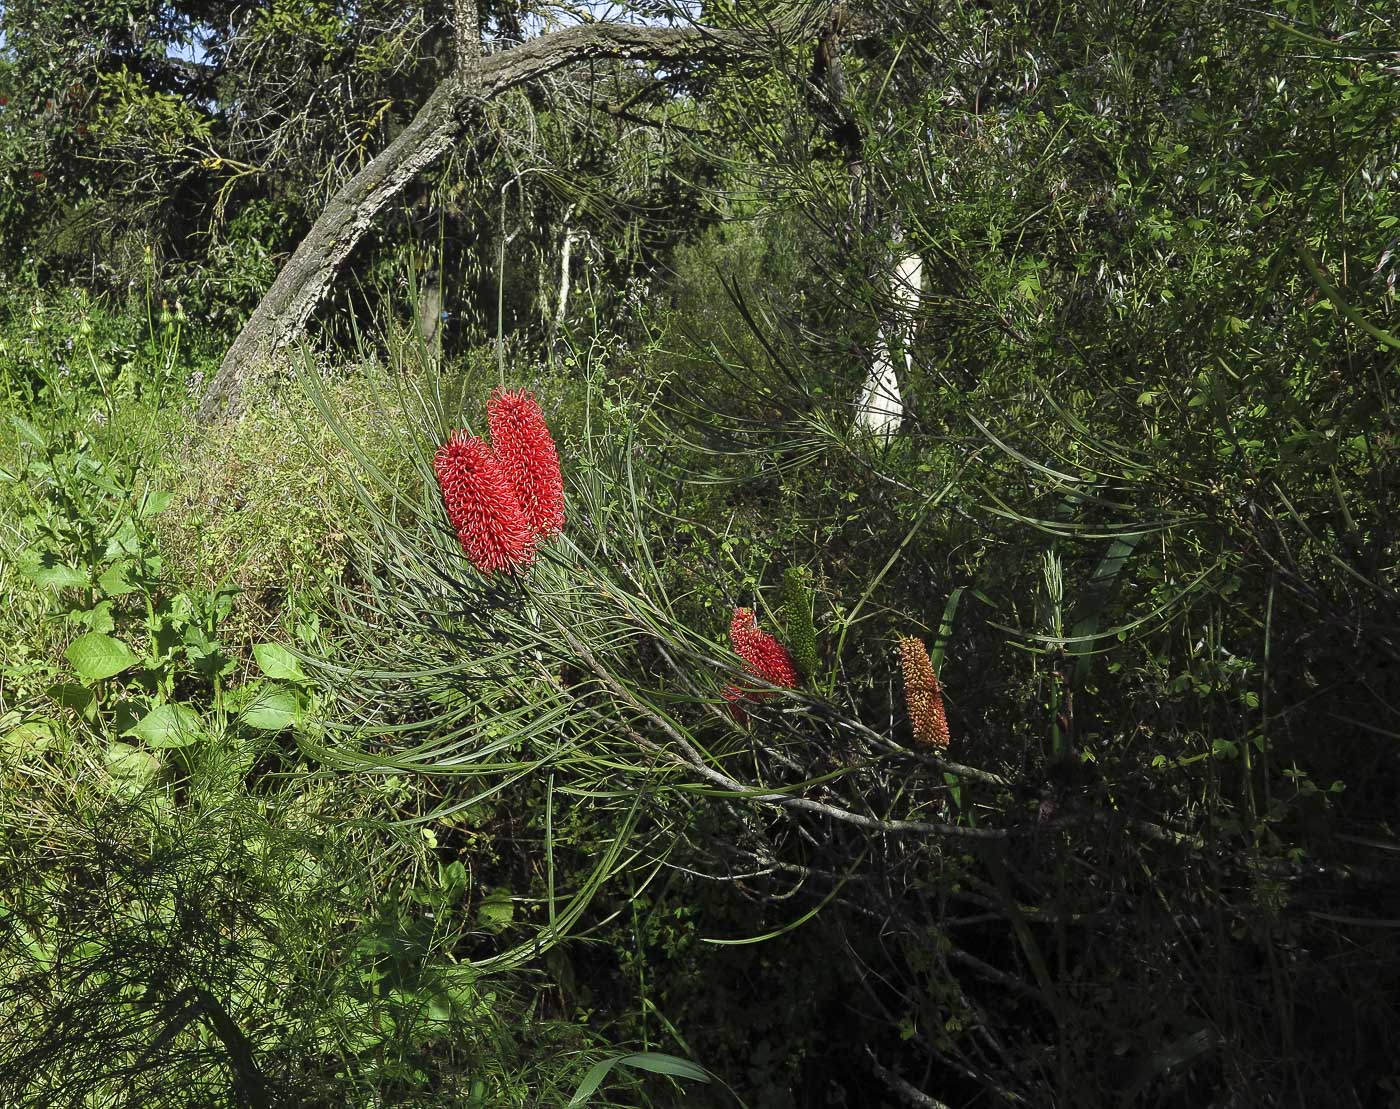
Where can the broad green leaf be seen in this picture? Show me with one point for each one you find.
(126, 541)
(125, 714)
(115, 580)
(171, 725)
(166, 632)
(131, 764)
(51, 575)
(96, 656)
(93, 472)
(212, 663)
(453, 878)
(73, 696)
(154, 502)
(278, 662)
(272, 710)
(98, 618)
(30, 738)
(27, 432)
(496, 911)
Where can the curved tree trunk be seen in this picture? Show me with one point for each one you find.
(454, 106)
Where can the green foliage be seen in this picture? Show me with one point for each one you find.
(258, 503)
(236, 950)
(174, 876)
(1139, 506)
(1160, 520)
(83, 535)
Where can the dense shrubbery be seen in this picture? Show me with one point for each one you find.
(371, 826)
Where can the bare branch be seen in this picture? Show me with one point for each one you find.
(911, 1096)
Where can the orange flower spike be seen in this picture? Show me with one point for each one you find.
(923, 695)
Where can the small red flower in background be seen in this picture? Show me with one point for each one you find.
(764, 657)
(528, 457)
(38, 175)
(482, 506)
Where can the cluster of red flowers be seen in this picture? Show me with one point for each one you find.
(764, 657)
(506, 497)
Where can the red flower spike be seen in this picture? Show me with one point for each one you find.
(528, 457)
(764, 657)
(482, 506)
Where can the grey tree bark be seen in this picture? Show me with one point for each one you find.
(454, 107)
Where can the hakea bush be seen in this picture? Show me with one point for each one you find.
(923, 695)
(764, 657)
(506, 497)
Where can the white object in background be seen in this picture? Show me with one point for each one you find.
(571, 236)
(880, 408)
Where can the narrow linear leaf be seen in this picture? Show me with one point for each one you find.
(656, 1062)
(945, 629)
(591, 1081)
(1098, 595)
